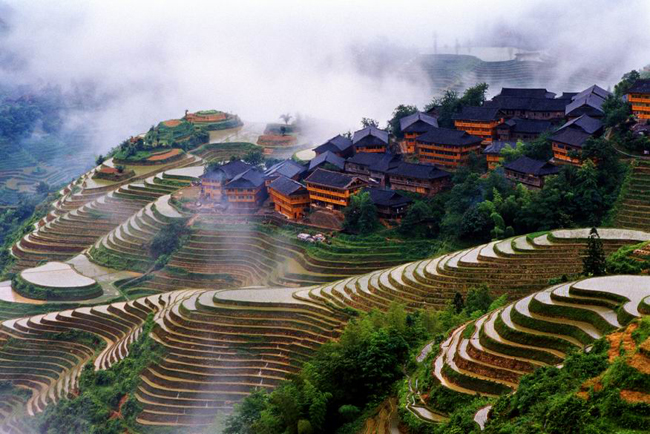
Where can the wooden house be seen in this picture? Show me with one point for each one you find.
(339, 145)
(212, 182)
(332, 189)
(390, 204)
(414, 125)
(639, 97)
(479, 121)
(568, 140)
(446, 147)
(290, 198)
(516, 129)
(372, 167)
(246, 191)
(370, 139)
(529, 172)
(493, 152)
(424, 179)
(588, 102)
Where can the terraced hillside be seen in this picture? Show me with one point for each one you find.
(78, 220)
(634, 207)
(221, 344)
(490, 355)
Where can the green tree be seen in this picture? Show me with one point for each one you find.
(369, 122)
(400, 112)
(626, 83)
(540, 148)
(254, 157)
(421, 221)
(594, 260)
(361, 214)
(616, 110)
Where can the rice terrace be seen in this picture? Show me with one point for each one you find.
(444, 230)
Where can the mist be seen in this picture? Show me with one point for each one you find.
(137, 63)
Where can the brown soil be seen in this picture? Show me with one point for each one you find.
(108, 170)
(172, 123)
(632, 396)
(621, 339)
(275, 140)
(640, 362)
(164, 156)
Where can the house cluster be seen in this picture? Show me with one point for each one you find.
(374, 161)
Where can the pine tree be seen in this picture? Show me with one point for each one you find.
(594, 261)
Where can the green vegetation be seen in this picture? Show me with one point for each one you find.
(106, 402)
(168, 239)
(594, 261)
(361, 214)
(344, 382)
(36, 292)
(450, 103)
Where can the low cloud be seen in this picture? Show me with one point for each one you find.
(142, 62)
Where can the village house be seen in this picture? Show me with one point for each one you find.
(588, 102)
(246, 191)
(568, 140)
(422, 179)
(290, 198)
(288, 168)
(390, 204)
(339, 145)
(447, 147)
(212, 182)
(639, 97)
(529, 172)
(370, 139)
(414, 125)
(493, 153)
(327, 160)
(372, 167)
(479, 121)
(332, 190)
(515, 129)
(528, 104)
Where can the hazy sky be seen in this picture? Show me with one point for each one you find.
(154, 59)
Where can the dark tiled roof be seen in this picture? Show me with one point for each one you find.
(532, 167)
(288, 168)
(640, 86)
(418, 122)
(497, 146)
(528, 104)
(571, 136)
(387, 198)
(447, 136)
(591, 100)
(227, 171)
(478, 114)
(378, 162)
(586, 123)
(330, 179)
(327, 157)
(380, 135)
(532, 126)
(418, 171)
(593, 90)
(335, 144)
(567, 95)
(252, 178)
(286, 186)
(525, 93)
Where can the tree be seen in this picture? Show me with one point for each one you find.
(400, 112)
(369, 122)
(421, 221)
(475, 95)
(254, 157)
(626, 83)
(361, 214)
(594, 260)
(100, 159)
(476, 225)
(540, 148)
(458, 302)
(286, 118)
(616, 111)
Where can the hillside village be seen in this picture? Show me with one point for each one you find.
(421, 156)
(428, 277)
